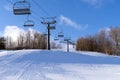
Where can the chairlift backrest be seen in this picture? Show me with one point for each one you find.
(21, 8)
(29, 23)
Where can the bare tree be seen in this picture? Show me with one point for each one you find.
(55, 46)
(100, 42)
(28, 39)
(2, 43)
(115, 36)
(104, 42)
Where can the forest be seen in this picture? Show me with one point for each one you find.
(105, 41)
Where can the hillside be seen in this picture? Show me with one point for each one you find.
(58, 65)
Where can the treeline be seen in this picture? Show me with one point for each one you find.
(28, 40)
(106, 41)
(2, 43)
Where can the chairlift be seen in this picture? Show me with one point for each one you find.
(21, 8)
(45, 34)
(56, 38)
(67, 39)
(72, 43)
(29, 23)
(52, 27)
(60, 34)
(62, 42)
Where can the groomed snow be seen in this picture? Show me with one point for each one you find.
(58, 65)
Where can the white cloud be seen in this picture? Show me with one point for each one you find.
(1, 33)
(13, 32)
(93, 2)
(69, 22)
(97, 3)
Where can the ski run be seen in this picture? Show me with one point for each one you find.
(58, 65)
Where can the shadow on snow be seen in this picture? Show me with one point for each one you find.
(64, 57)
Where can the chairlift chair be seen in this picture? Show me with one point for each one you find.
(73, 43)
(52, 27)
(21, 8)
(67, 39)
(60, 34)
(56, 38)
(29, 23)
(62, 42)
(45, 34)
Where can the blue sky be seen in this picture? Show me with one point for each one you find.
(76, 18)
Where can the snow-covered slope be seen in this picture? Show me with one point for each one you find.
(58, 65)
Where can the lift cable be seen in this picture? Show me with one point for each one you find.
(39, 6)
(10, 1)
(36, 18)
